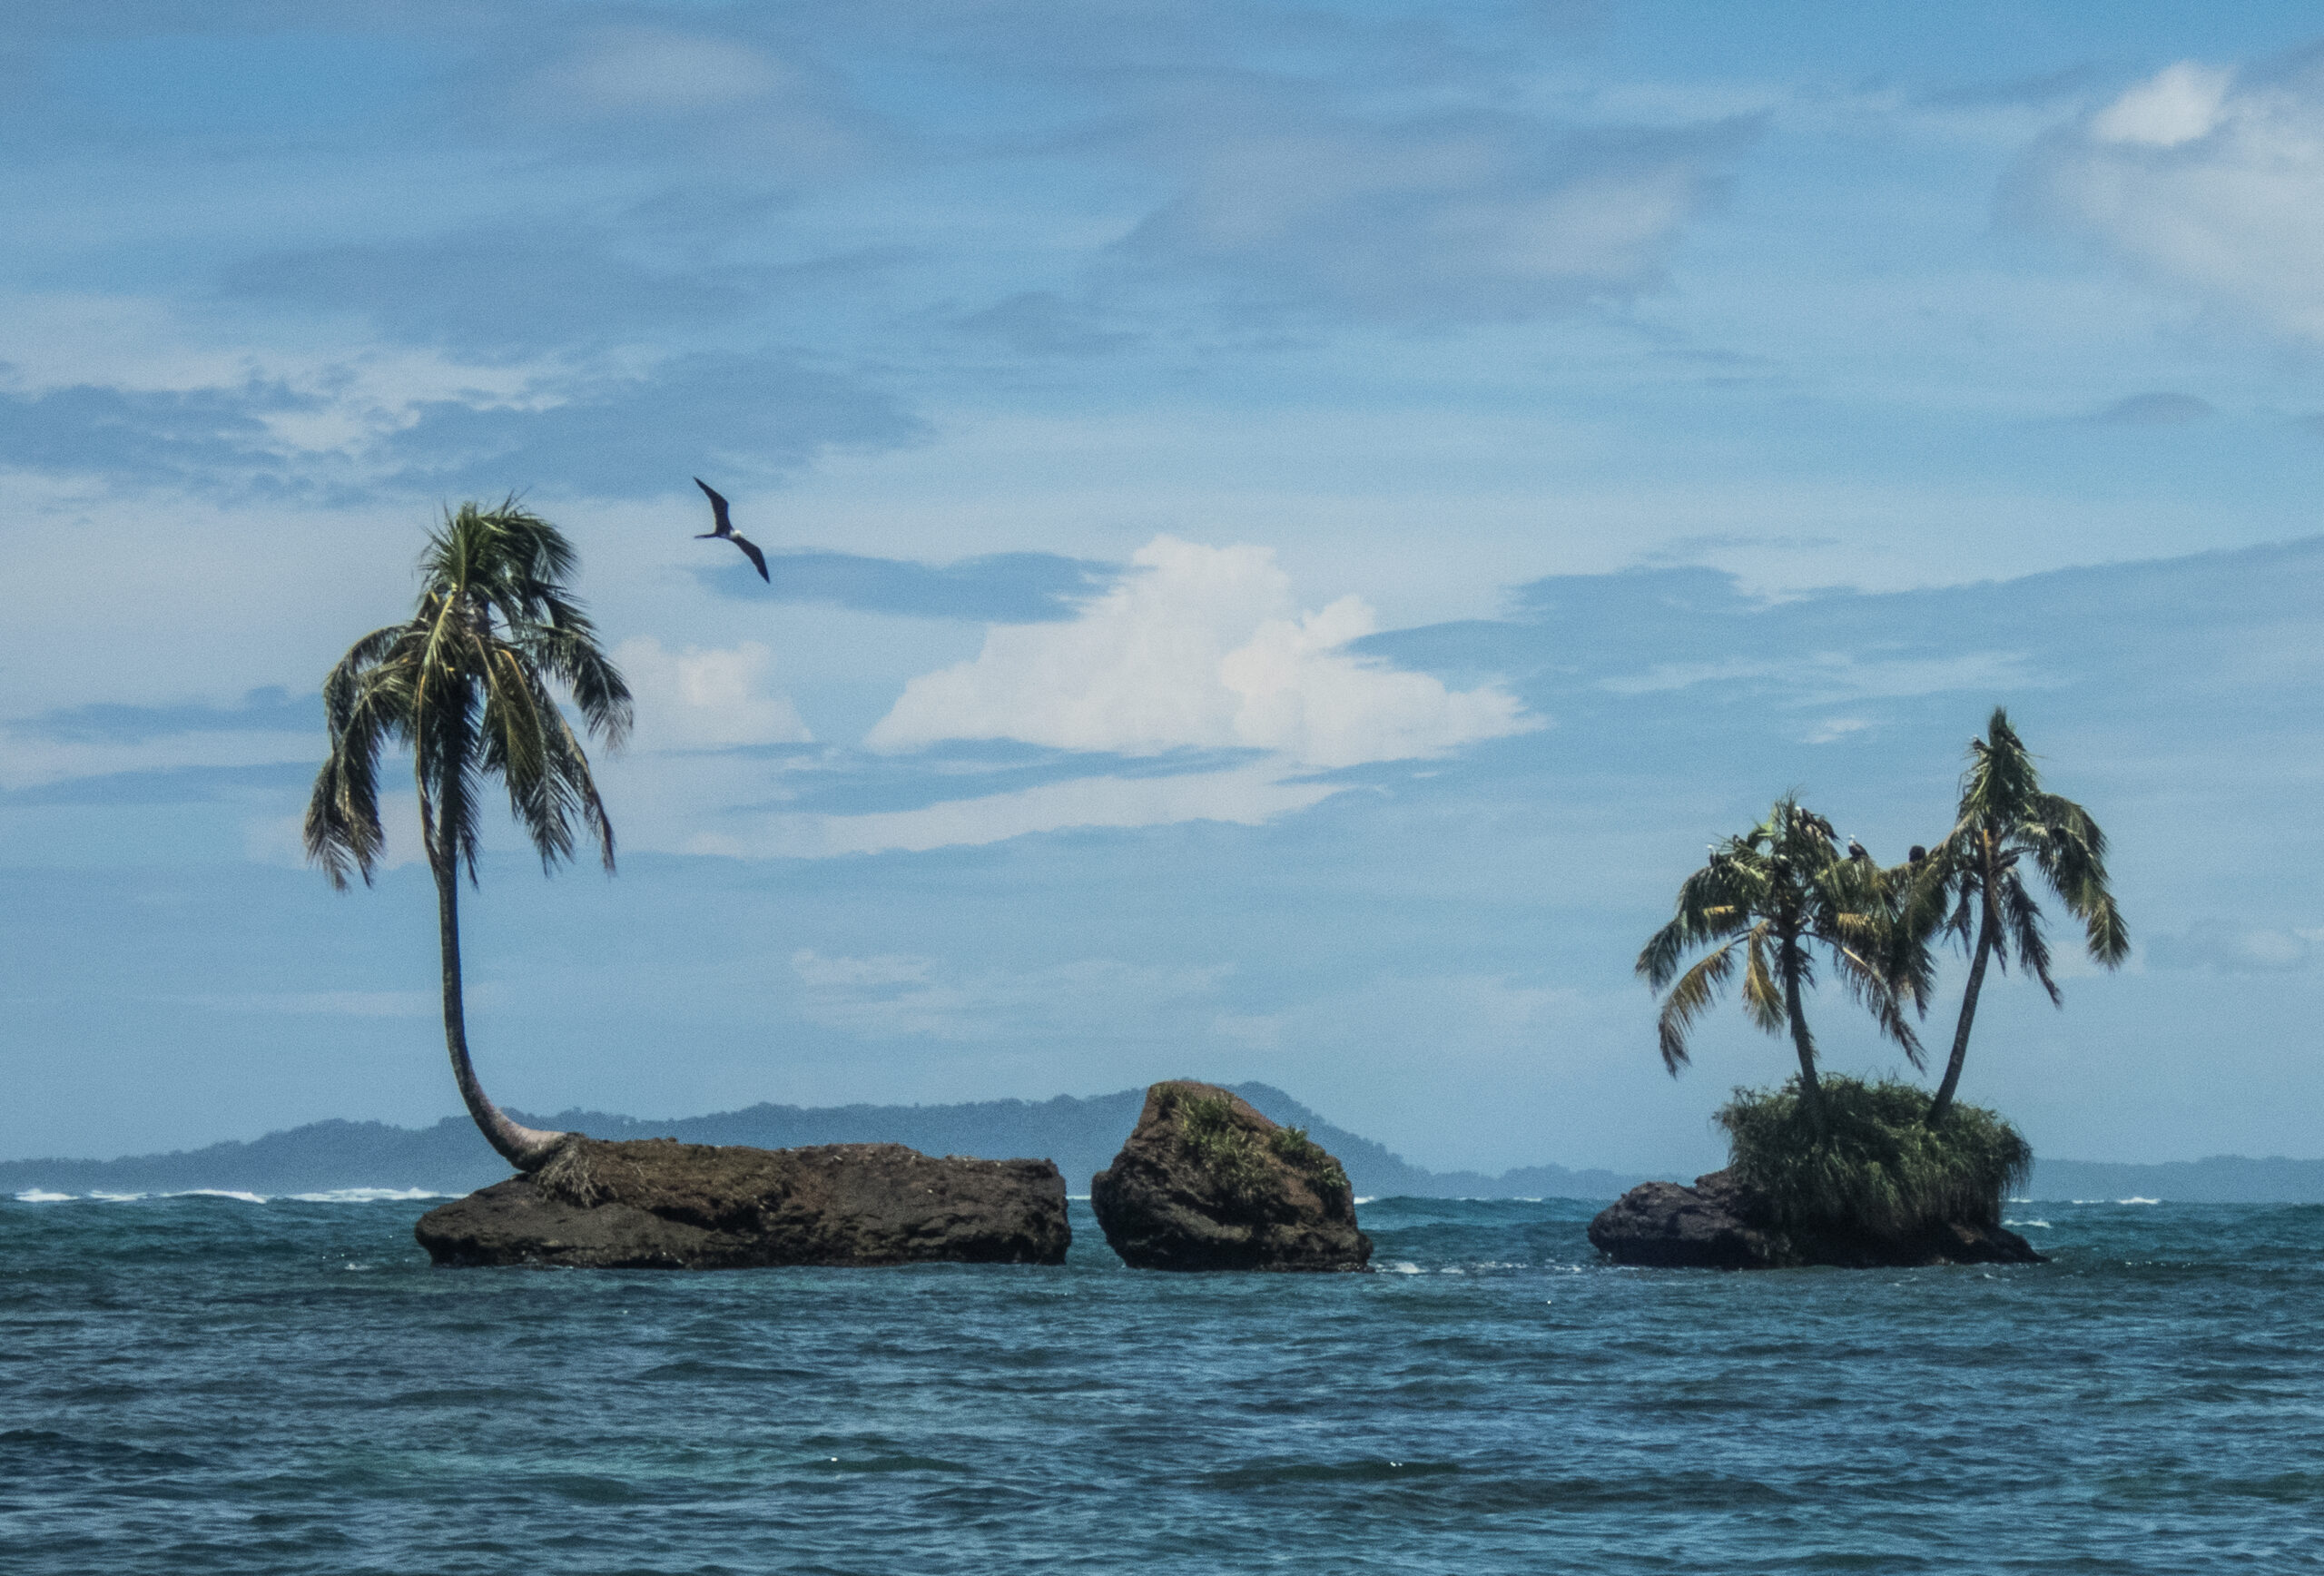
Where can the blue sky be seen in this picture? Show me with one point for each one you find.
(1291, 526)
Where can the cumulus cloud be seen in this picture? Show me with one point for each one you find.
(1477, 216)
(1199, 647)
(2207, 177)
(706, 699)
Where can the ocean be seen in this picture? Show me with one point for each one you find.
(221, 1383)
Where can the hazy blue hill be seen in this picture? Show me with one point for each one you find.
(2220, 1179)
(1080, 1134)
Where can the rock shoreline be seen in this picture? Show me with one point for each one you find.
(657, 1204)
(1719, 1223)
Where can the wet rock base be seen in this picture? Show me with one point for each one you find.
(1720, 1223)
(657, 1204)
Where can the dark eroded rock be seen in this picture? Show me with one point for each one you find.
(1206, 1182)
(657, 1204)
(1719, 1223)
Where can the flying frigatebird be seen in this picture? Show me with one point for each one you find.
(726, 530)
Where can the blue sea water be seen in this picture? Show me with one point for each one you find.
(213, 1383)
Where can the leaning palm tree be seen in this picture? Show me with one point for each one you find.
(1769, 900)
(1976, 879)
(464, 684)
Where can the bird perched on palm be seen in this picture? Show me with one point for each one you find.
(465, 683)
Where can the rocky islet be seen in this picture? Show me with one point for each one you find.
(1720, 1223)
(657, 1204)
(1206, 1182)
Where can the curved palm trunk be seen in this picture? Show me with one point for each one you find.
(1811, 1092)
(1944, 1100)
(526, 1149)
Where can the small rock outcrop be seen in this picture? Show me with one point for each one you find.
(1720, 1223)
(1206, 1182)
(657, 1204)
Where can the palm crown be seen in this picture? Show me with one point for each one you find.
(465, 685)
(1973, 882)
(1766, 901)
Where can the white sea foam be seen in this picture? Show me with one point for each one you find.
(331, 1196)
(2138, 1200)
(1400, 1266)
(2028, 1225)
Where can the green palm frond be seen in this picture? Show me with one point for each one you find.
(1762, 997)
(467, 684)
(1695, 992)
(1779, 889)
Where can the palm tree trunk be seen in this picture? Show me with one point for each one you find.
(1811, 1092)
(1944, 1100)
(526, 1149)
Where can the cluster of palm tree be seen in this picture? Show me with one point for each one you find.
(1779, 897)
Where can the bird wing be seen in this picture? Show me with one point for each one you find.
(751, 551)
(718, 506)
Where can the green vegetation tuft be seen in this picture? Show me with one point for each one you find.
(1872, 1163)
(1219, 1144)
(1235, 1157)
(1295, 1149)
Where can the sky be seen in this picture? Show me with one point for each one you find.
(1290, 528)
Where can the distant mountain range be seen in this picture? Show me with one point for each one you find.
(1080, 1134)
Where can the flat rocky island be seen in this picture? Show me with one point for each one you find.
(657, 1204)
(1720, 1223)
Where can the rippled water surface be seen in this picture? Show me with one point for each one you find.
(218, 1384)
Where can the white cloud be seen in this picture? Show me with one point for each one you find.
(2177, 104)
(27, 760)
(1826, 676)
(1247, 796)
(1481, 215)
(1203, 648)
(892, 995)
(2227, 948)
(640, 69)
(706, 698)
(2203, 177)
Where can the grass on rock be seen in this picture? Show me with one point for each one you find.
(1873, 1163)
(1231, 1154)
